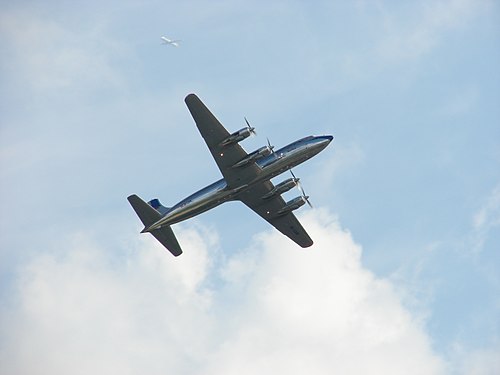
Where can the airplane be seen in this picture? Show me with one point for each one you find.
(246, 177)
(174, 43)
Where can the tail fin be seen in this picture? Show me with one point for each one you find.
(149, 216)
(155, 203)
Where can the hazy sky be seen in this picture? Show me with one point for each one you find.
(404, 274)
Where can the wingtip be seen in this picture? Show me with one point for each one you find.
(190, 96)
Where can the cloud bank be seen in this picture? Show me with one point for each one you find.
(269, 308)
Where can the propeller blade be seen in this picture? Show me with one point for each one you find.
(250, 128)
(307, 200)
(299, 186)
(301, 189)
(297, 181)
(271, 147)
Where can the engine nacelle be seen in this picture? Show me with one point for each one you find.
(257, 154)
(237, 136)
(293, 205)
(282, 187)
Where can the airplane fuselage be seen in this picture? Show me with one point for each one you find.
(219, 191)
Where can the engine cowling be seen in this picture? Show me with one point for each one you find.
(293, 205)
(237, 136)
(282, 187)
(257, 154)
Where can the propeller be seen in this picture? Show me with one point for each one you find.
(296, 179)
(269, 146)
(251, 129)
(302, 191)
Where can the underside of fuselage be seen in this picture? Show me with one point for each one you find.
(219, 192)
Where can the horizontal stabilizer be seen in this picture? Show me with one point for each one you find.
(167, 238)
(146, 213)
(149, 216)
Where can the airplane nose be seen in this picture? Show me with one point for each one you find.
(322, 141)
(326, 139)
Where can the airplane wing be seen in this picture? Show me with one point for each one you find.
(214, 133)
(268, 209)
(226, 157)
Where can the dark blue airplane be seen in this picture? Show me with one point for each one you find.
(246, 177)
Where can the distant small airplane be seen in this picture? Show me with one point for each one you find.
(246, 178)
(174, 43)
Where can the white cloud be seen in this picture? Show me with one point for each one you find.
(86, 311)
(411, 37)
(486, 218)
(318, 310)
(276, 308)
(343, 159)
(45, 55)
(488, 215)
(484, 361)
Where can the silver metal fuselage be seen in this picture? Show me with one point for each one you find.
(219, 192)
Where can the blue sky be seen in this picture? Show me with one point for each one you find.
(407, 197)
